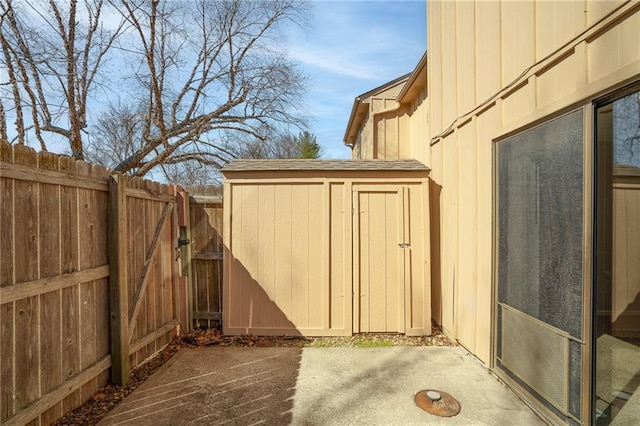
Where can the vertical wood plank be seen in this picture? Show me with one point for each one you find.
(7, 233)
(50, 340)
(6, 365)
(27, 383)
(69, 220)
(26, 230)
(118, 294)
(7, 209)
(70, 341)
(91, 241)
(49, 229)
(102, 318)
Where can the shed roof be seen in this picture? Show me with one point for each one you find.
(324, 165)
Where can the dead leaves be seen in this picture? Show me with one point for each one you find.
(109, 396)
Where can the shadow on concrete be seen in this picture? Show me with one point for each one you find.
(216, 386)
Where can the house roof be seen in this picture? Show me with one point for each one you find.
(324, 165)
(360, 107)
(413, 83)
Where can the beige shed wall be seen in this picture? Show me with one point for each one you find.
(290, 266)
(494, 68)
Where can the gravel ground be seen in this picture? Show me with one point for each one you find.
(109, 396)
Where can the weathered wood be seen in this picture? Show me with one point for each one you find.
(103, 329)
(49, 400)
(148, 339)
(26, 231)
(144, 278)
(26, 173)
(55, 284)
(118, 280)
(50, 341)
(49, 230)
(214, 316)
(186, 256)
(206, 228)
(6, 361)
(6, 152)
(207, 256)
(71, 343)
(44, 285)
(206, 199)
(26, 385)
(149, 194)
(7, 269)
(69, 220)
(88, 354)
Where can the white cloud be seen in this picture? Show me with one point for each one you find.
(353, 47)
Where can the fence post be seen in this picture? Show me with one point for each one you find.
(185, 234)
(118, 295)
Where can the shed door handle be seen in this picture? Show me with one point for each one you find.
(403, 245)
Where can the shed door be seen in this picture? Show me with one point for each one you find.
(379, 258)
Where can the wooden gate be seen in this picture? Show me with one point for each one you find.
(204, 231)
(144, 297)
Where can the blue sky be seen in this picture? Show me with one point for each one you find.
(348, 48)
(352, 47)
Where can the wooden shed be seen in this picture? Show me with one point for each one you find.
(326, 247)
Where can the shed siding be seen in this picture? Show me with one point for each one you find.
(290, 264)
(512, 84)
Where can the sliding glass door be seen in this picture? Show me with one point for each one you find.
(617, 292)
(540, 343)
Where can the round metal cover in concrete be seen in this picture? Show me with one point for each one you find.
(436, 402)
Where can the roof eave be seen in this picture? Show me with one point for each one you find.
(359, 110)
(417, 81)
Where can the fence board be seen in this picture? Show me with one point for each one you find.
(68, 227)
(26, 235)
(20, 172)
(6, 233)
(27, 370)
(50, 341)
(49, 236)
(55, 318)
(70, 342)
(33, 288)
(6, 355)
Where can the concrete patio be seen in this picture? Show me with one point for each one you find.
(318, 386)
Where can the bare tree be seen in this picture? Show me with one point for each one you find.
(52, 52)
(115, 135)
(211, 68)
(626, 130)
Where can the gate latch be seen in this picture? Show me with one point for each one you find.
(403, 245)
(182, 242)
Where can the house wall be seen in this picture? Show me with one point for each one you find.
(388, 128)
(291, 262)
(382, 130)
(496, 68)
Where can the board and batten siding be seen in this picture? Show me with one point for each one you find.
(495, 68)
(291, 260)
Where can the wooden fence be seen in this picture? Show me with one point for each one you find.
(60, 296)
(205, 257)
